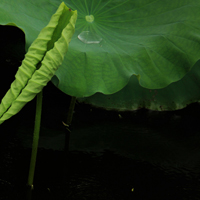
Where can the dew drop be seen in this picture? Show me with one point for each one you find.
(88, 37)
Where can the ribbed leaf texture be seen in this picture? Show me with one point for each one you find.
(42, 60)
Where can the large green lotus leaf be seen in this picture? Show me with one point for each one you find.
(156, 40)
(175, 96)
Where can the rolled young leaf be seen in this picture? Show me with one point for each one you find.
(47, 51)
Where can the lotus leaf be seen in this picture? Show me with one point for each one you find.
(43, 58)
(156, 41)
(132, 97)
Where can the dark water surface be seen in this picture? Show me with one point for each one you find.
(112, 156)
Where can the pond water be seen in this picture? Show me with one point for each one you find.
(112, 155)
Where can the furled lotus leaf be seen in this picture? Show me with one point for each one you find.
(43, 58)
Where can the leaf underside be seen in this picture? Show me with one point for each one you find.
(173, 97)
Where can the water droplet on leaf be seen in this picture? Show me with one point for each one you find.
(88, 37)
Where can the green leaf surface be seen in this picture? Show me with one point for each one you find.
(43, 58)
(156, 40)
(132, 97)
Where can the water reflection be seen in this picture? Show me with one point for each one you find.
(162, 139)
(156, 153)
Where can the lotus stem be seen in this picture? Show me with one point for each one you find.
(71, 110)
(35, 140)
(67, 124)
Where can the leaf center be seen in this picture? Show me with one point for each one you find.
(89, 18)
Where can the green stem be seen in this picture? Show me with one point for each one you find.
(35, 139)
(71, 110)
(67, 124)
